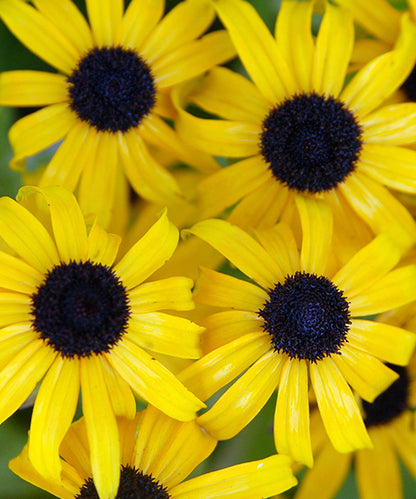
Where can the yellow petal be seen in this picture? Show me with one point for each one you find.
(53, 412)
(39, 130)
(102, 246)
(32, 88)
(338, 407)
(16, 275)
(222, 290)
(262, 478)
(75, 448)
(241, 249)
(15, 338)
(67, 221)
(105, 19)
(216, 369)
(139, 21)
(149, 253)
(389, 343)
(153, 382)
(257, 49)
(291, 419)
(101, 425)
(316, 220)
(244, 399)
(333, 51)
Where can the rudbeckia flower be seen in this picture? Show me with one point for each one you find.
(110, 93)
(390, 424)
(300, 321)
(73, 320)
(301, 129)
(158, 453)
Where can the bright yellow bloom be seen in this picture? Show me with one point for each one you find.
(301, 128)
(111, 91)
(299, 321)
(158, 453)
(73, 320)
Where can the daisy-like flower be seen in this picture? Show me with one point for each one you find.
(300, 131)
(73, 320)
(158, 453)
(110, 93)
(300, 320)
(390, 424)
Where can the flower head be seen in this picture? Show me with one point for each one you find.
(74, 320)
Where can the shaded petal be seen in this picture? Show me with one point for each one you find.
(164, 333)
(102, 246)
(334, 46)
(17, 275)
(193, 59)
(390, 125)
(296, 18)
(244, 399)
(241, 249)
(13, 339)
(222, 290)
(216, 369)
(317, 222)
(39, 130)
(27, 236)
(367, 266)
(182, 24)
(75, 448)
(231, 96)
(69, 20)
(338, 407)
(390, 165)
(20, 377)
(40, 36)
(389, 343)
(169, 449)
(139, 21)
(105, 19)
(262, 478)
(67, 221)
(291, 417)
(32, 88)
(257, 49)
(363, 372)
(147, 177)
(380, 209)
(157, 132)
(149, 253)
(227, 186)
(376, 81)
(393, 290)
(53, 413)
(101, 425)
(402, 435)
(153, 382)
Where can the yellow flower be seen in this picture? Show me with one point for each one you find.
(110, 93)
(390, 424)
(158, 453)
(302, 129)
(73, 321)
(300, 321)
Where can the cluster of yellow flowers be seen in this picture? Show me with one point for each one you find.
(291, 173)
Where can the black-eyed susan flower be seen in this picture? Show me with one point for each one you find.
(110, 92)
(158, 453)
(390, 424)
(301, 129)
(300, 321)
(73, 320)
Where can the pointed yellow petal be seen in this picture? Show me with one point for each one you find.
(291, 418)
(338, 407)
(139, 21)
(149, 253)
(257, 49)
(389, 343)
(102, 246)
(101, 427)
(75, 448)
(105, 19)
(241, 249)
(244, 399)
(316, 219)
(53, 412)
